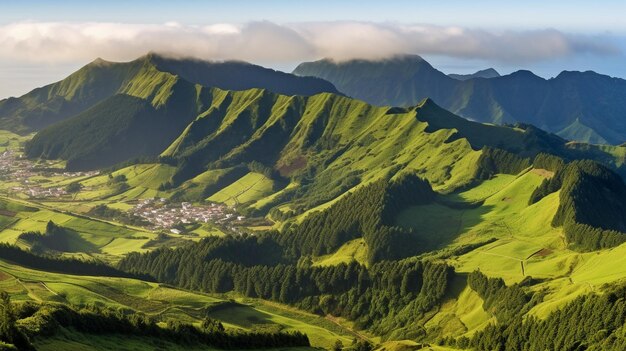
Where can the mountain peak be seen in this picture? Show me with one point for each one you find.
(524, 73)
(100, 62)
(485, 73)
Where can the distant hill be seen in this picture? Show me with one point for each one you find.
(582, 106)
(100, 80)
(485, 73)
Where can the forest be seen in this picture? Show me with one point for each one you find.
(386, 297)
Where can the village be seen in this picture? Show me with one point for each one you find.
(15, 168)
(163, 215)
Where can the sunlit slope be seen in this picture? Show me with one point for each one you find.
(249, 188)
(508, 238)
(86, 87)
(150, 76)
(327, 144)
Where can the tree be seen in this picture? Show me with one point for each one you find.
(338, 346)
(210, 325)
(73, 187)
(8, 331)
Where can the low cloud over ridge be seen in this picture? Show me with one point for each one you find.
(59, 42)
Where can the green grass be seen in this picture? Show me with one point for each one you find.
(283, 318)
(461, 316)
(526, 245)
(143, 179)
(11, 141)
(103, 239)
(249, 188)
(486, 188)
(352, 251)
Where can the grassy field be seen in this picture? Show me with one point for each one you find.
(11, 141)
(250, 188)
(526, 245)
(107, 240)
(463, 315)
(354, 250)
(161, 302)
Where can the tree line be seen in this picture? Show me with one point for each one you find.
(589, 322)
(388, 297)
(14, 254)
(368, 212)
(592, 202)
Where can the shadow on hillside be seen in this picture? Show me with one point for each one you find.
(439, 224)
(61, 240)
(241, 315)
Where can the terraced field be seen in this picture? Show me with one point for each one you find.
(250, 188)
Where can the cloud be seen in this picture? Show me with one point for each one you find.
(60, 42)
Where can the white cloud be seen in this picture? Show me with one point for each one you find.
(61, 42)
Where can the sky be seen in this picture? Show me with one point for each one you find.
(44, 41)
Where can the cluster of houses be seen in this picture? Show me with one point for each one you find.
(163, 215)
(15, 168)
(38, 192)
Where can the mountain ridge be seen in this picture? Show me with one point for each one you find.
(553, 104)
(102, 79)
(484, 73)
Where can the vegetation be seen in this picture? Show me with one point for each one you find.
(565, 105)
(368, 212)
(387, 297)
(374, 223)
(496, 161)
(64, 265)
(103, 211)
(590, 322)
(592, 208)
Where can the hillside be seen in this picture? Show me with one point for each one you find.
(583, 106)
(101, 79)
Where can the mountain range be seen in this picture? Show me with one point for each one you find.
(277, 203)
(160, 106)
(101, 79)
(581, 106)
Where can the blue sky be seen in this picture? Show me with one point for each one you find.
(574, 15)
(43, 41)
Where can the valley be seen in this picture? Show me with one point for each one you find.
(250, 219)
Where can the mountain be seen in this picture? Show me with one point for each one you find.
(485, 73)
(157, 105)
(582, 106)
(410, 224)
(100, 80)
(162, 113)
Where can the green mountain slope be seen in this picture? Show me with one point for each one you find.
(583, 106)
(100, 80)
